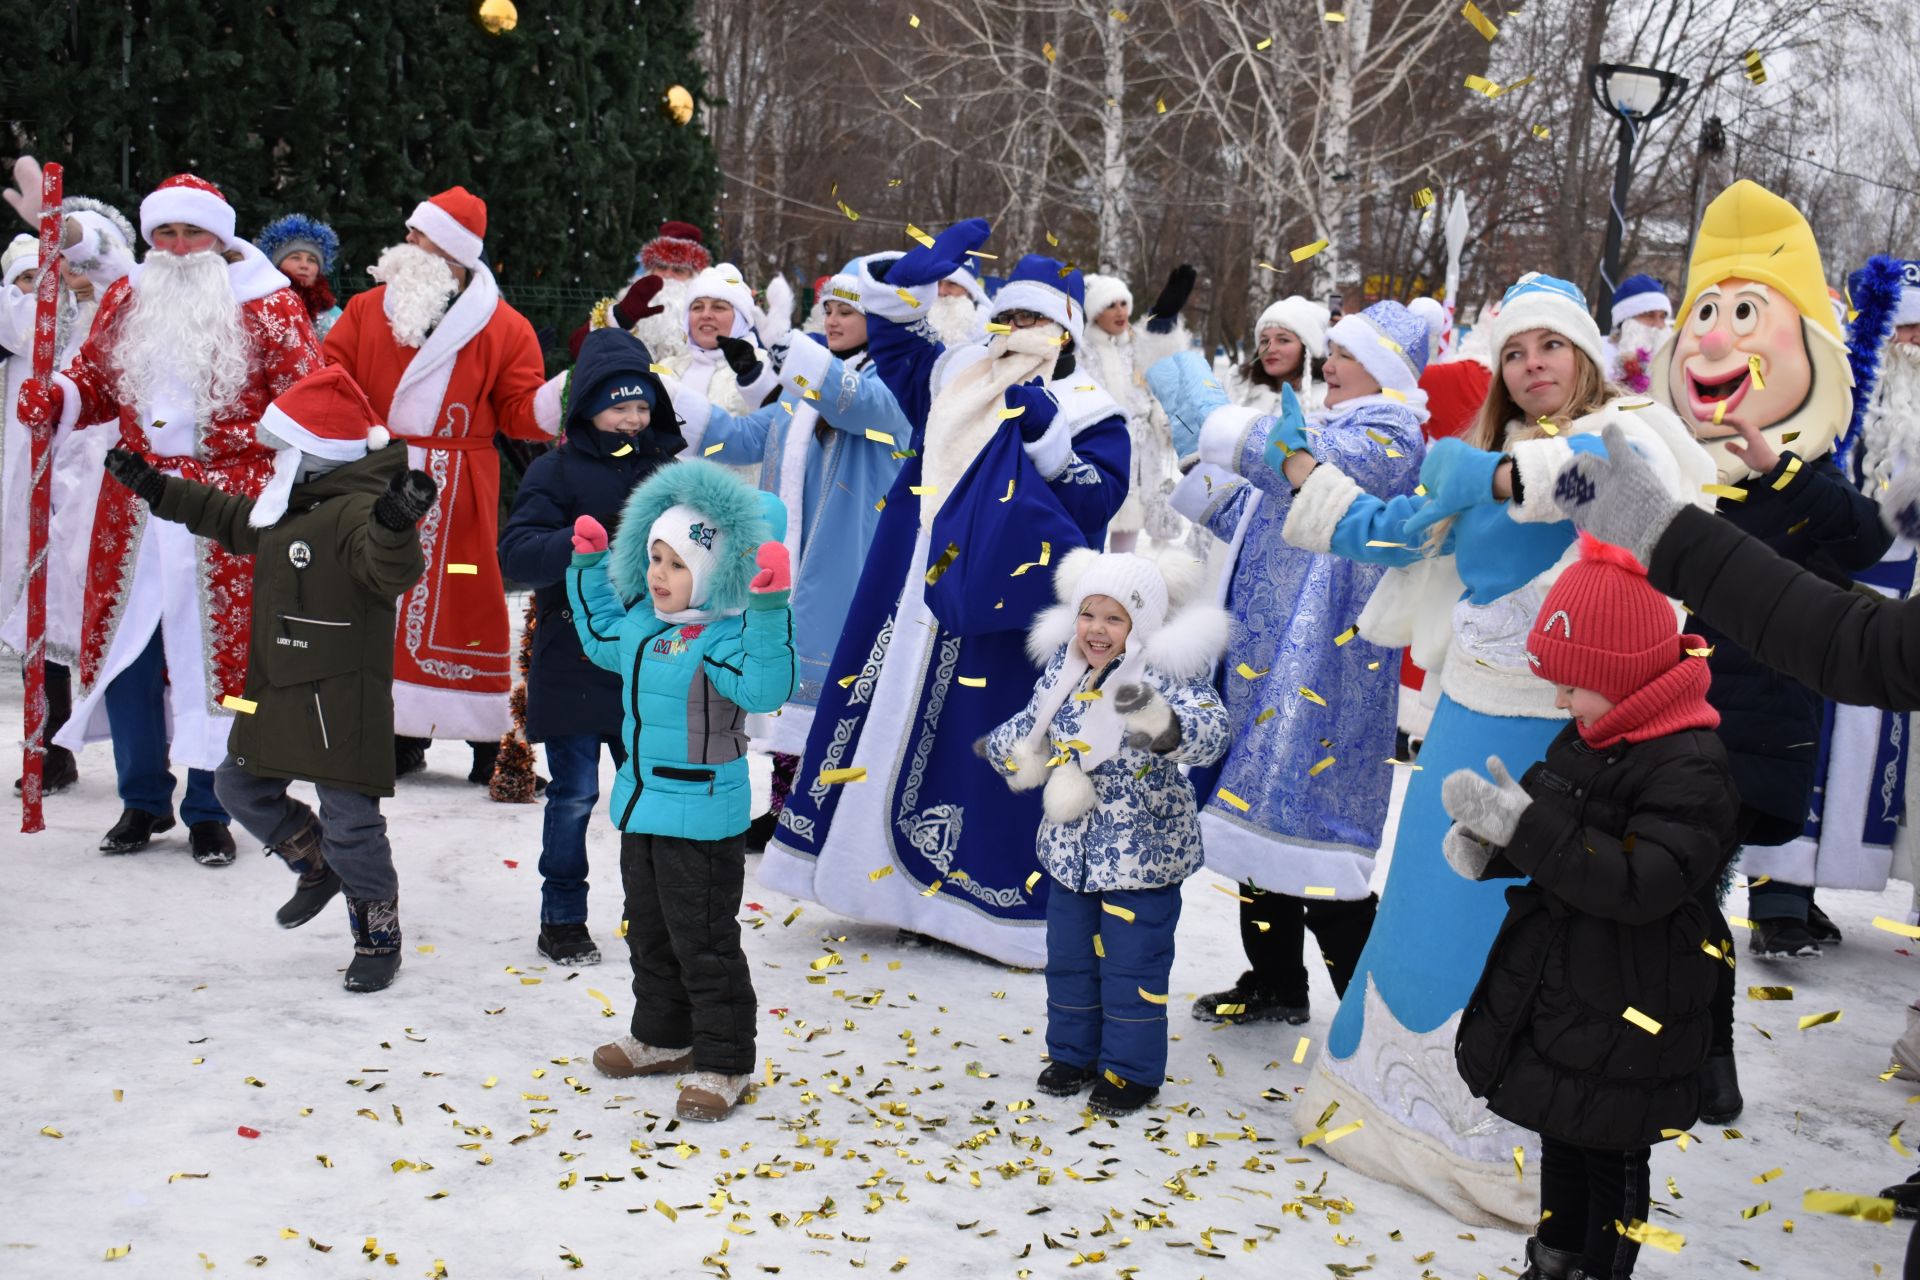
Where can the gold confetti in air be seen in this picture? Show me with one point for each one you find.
(1786, 477)
(118, 1251)
(945, 562)
(1160, 106)
(1479, 21)
(1312, 697)
(1346, 635)
(1149, 997)
(1519, 1163)
(1542, 132)
(1641, 1020)
(1264, 45)
(1099, 947)
(1123, 912)
(1233, 800)
(660, 370)
(1266, 715)
(1046, 556)
(1769, 993)
(1423, 198)
(1306, 251)
(712, 449)
(1318, 891)
(241, 705)
(1896, 927)
(1048, 52)
(1819, 1019)
(623, 451)
(879, 437)
(851, 215)
(915, 233)
(1648, 1234)
(1320, 767)
(1726, 491)
(1865, 1208)
(1246, 672)
(913, 20)
(923, 490)
(1756, 69)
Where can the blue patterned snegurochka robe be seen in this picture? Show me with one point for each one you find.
(1289, 606)
(1143, 831)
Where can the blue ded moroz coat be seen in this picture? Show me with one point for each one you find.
(933, 655)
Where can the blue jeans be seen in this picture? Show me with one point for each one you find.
(137, 718)
(1096, 1015)
(574, 762)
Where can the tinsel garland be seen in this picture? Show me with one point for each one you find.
(513, 771)
(1874, 293)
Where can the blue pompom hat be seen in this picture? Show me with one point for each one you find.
(295, 232)
(1639, 296)
(1539, 301)
(1389, 341)
(1047, 287)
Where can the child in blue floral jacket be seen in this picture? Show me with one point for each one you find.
(1124, 701)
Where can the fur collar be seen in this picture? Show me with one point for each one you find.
(746, 518)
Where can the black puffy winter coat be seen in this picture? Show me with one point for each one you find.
(1622, 847)
(1770, 722)
(590, 474)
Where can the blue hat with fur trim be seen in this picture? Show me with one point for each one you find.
(297, 232)
(1539, 301)
(1639, 296)
(1389, 341)
(1047, 287)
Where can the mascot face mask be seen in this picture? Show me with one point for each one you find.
(1756, 344)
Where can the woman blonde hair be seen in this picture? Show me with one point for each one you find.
(1499, 425)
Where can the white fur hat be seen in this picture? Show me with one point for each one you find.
(696, 540)
(1104, 291)
(21, 256)
(724, 281)
(1304, 318)
(1541, 301)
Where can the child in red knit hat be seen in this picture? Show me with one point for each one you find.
(1590, 1022)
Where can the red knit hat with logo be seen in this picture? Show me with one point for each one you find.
(1603, 626)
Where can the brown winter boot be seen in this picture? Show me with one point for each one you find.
(708, 1096)
(627, 1057)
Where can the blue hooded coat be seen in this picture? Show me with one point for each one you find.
(590, 474)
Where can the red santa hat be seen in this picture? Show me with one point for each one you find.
(189, 199)
(325, 414)
(679, 245)
(456, 220)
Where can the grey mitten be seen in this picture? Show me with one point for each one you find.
(1149, 721)
(1490, 810)
(1618, 498)
(1465, 852)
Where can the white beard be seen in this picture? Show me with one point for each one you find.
(966, 413)
(955, 320)
(665, 334)
(1890, 432)
(420, 288)
(183, 325)
(1638, 334)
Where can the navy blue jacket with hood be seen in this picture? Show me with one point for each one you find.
(590, 474)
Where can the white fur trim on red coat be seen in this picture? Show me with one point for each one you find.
(547, 402)
(1318, 508)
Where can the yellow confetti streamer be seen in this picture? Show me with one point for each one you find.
(923, 490)
(1896, 927)
(48, 1131)
(1479, 21)
(660, 370)
(1761, 1179)
(1149, 997)
(1346, 636)
(1756, 69)
(945, 562)
(1482, 85)
(1423, 198)
(666, 1209)
(1123, 912)
(879, 874)
(1048, 52)
(1032, 880)
(1333, 15)
(1264, 45)
(1246, 672)
(1099, 947)
(1335, 1135)
(1865, 1208)
(1009, 497)
(623, 451)
(1312, 697)
(1753, 372)
(712, 449)
(932, 889)
(1819, 1019)
(1300, 1050)
(916, 233)
(244, 706)
(1726, 491)
(879, 437)
(1648, 1234)
(974, 682)
(1306, 251)
(1893, 1140)
(1320, 767)
(846, 682)
(1046, 555)
(851, 215)
(1641, 1020)
(1266, 715)
(1089, 695)
(1160, 106)
(118, 1251)
(913, 20)
(1233, 800)
(1318, 891)
(1542, 132)
(1519, 1163)
(834, 777)
(1769, 993)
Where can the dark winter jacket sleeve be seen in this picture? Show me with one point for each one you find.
(209, 513)
(1674, 841)
(536, 546)
(1817, 501)
(1843, 644)
(384, 561)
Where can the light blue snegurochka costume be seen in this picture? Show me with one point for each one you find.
(830, 447)
(1388, 1059)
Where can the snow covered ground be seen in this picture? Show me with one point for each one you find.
(188, 1080)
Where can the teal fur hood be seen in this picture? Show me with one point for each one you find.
(745, 517)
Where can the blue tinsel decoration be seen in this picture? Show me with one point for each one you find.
(1874, 292)
(298, 226)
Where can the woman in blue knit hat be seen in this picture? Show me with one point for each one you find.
(304, 249)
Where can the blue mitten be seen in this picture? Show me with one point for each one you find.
(946, 255)
(1456, 476)
(1186, 389)
(1287, 432)
(1037, 408)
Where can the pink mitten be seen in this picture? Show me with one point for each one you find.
(589, 536)
(776, 569)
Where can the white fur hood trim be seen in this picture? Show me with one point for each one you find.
(1189, 645)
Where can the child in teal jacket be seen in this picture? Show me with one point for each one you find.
(690, 608)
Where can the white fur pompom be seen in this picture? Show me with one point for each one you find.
(1191, 642)
(1069, 794)
(378, 438)
(1073, 567)
(1184, 573)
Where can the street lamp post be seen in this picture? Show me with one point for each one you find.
(1636, 95)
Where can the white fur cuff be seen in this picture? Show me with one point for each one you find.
(889, 302)
(1200, 492)
(547, 402)
(1224, 435)
(1536, 465)
(1052, 451)
(806, 366)
(1151, 348)
(1318, 508)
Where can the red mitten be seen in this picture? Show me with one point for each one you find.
(39, 405)
(589, 536)
(776, 569)
(637, 303)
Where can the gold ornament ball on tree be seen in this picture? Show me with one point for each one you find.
(498, 16)
(677, 103)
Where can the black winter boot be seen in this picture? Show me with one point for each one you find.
(1063, 1079)
(1544, 1263)
(1248, 1000)
(135, 830)
(211, 843)
(318, 881)
(485, 756)
(1783, 938)
(409, 755)
(1123, 1099)
(1720, 1100)
(1819, 924)
(58, 771)
(568, 944)
(376, 943)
